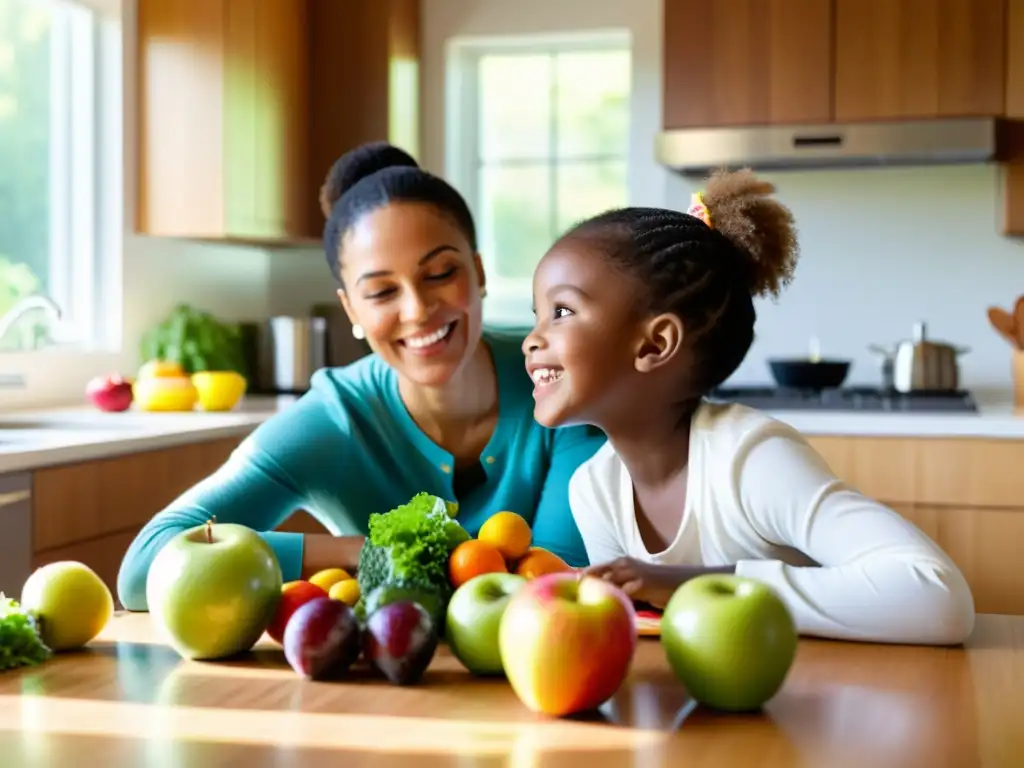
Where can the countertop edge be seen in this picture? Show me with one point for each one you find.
(993, 421)
(47, 456)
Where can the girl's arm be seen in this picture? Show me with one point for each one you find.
(880, 578)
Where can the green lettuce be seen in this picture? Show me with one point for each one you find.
(20, 642)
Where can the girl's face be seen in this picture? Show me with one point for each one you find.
(413, 283)
(581, 352)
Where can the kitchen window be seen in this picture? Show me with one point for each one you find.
(537, 139)
(60, 173)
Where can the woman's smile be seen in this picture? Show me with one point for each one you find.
(430, 342)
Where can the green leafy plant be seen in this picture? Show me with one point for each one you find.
(20, 642)
(406, 555)
(197, 341)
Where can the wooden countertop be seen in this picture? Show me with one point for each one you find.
(130, 701)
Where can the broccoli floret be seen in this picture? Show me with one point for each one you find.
(406, 554)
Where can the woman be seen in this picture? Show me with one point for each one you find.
(441, 406)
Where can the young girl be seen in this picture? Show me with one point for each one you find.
(641, 311)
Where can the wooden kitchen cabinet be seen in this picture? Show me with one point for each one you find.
(912, 59)
(764, 62)
(746, 62)
(966, 494)
(243, 105)
(221, 94)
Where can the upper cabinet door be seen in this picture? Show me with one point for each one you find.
(909, 59)
(746, 62)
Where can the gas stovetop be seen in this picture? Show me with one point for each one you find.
(861, 399)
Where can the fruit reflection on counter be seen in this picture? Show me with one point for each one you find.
(213, 590)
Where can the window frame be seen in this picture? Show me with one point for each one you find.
(509, 299)
(86, 179)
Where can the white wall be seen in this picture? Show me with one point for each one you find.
(881, 248)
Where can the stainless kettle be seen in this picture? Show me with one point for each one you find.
(919, 364)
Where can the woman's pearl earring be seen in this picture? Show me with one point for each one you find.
(483, 292)
(358, 332)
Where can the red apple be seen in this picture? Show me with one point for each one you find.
(567, 642)
(110, 393)
(294, 594)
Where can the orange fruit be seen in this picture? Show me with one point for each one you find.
(160, 369)
(471, 558)
(508, 533)
(537, 562)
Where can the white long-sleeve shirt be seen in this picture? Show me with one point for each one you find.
(760, 498)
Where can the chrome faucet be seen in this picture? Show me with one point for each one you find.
(23, 306)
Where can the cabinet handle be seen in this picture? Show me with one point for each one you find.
(7, 499)
(817, 141)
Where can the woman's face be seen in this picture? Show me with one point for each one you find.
(413, 283)
(580, 353)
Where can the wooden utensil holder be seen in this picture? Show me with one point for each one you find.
(1018, 378)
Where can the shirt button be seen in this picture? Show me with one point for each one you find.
(446, 468)
(489, 459)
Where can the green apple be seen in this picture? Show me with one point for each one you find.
(474, 617)
(70, 601)
(730, 640)
(213, 590)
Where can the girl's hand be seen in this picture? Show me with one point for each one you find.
(647, 582)
(641, 581)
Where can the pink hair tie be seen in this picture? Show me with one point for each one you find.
(698, 209)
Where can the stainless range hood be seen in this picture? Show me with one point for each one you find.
(698, 151)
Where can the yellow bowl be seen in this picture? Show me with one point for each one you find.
(165, 393)
(219, 390)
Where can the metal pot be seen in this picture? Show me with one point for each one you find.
(919, 364)
(284, 353)
(810, 374)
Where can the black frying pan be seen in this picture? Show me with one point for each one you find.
(809, 374)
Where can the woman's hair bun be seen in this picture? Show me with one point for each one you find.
(356, 165)
(742, 209)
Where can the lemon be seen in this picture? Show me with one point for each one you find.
(328, 577)
(347, 591)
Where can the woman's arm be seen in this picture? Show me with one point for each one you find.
(880, 577)
(249, 489)
(272, 474)
(554, 528)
